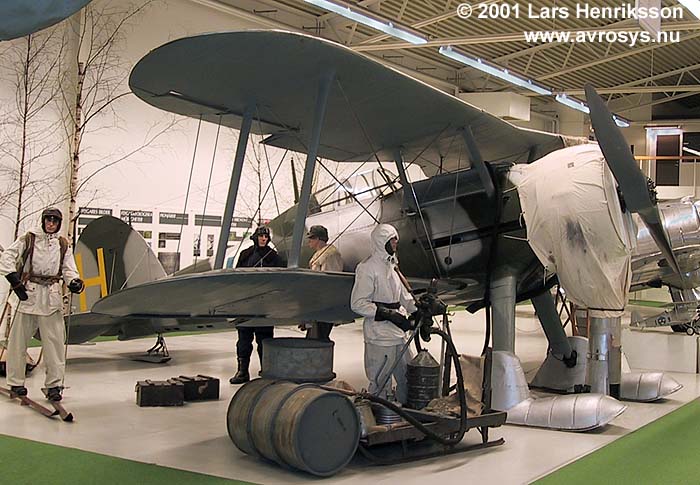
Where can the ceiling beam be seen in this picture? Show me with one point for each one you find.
(693, 88)
(246, 15)
(616, 57)
(512, 37)
(661, 75)
(656, 102)
(423, 23)
(448, 14)
(330, 15)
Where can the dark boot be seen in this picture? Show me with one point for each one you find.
(242, 375)
(54, 394)
(19, 390)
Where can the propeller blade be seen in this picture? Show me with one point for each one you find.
(630, 179)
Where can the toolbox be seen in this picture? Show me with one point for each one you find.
(160, 393)
(199, 387)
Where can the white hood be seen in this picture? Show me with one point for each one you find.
(379, 237)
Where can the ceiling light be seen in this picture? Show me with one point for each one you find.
(498, 72)
(621, 122)
(572, 103)
(581, 106)
(691, 151)
(369, 19)
(692, 5)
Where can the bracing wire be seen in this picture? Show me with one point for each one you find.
(454, 210)
(420, 212)
(303, 145)
(267, 158)
(352, 194)
(206, 196)
(301, 142)
(279, 165)
(189, 182)
(425, 226)
(359, 123)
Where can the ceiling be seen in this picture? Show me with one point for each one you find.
(665, 76)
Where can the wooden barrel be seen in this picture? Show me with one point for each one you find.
(238, 414)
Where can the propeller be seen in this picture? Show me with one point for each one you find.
(632, 182)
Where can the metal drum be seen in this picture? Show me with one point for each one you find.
(300, 426)
(423, 378)
(298, 360)
(317, 431)
(262, 423)
(238, 414)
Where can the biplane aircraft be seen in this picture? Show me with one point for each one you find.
(465, 224)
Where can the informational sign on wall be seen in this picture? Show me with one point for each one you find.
(244, 222)
(204, 220)
(136, 216)
(210, 245)
(173, 218)
(94, 211)
(89, 214)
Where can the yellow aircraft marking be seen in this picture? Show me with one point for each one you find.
(99, 280)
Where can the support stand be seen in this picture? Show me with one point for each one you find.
(158, 354)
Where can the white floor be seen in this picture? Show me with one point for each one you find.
(101, 381)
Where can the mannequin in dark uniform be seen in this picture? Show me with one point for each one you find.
(259, 255)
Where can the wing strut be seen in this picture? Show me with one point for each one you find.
(233, 187)
(478, 162)
(324, 89)
(407, 187)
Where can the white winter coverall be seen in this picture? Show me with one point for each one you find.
(376, 280)
(43, 308)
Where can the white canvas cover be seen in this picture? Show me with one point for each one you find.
(576, 227)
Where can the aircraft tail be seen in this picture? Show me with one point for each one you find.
(110, 256)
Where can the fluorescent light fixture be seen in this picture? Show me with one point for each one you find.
(691, 151)
(498, 72)
(572, 103)
(621, 122)
(369, 19)
(581, 106)
(692, 5)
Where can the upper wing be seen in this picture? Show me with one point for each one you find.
(371, 107)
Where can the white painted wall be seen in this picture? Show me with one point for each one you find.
(157, 176)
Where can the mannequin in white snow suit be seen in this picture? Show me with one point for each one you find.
(35, 265)
(379, 295)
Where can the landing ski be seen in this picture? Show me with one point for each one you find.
(25, 401)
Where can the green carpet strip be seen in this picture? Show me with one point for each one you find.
(30, 462)
(665, 451)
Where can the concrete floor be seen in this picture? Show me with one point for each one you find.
(101, 381)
